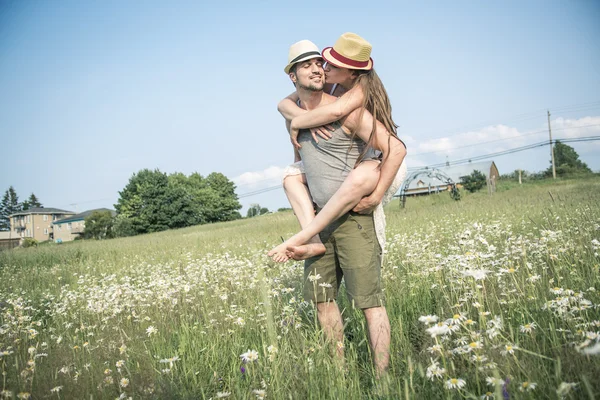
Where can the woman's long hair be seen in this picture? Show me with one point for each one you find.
(377, 102)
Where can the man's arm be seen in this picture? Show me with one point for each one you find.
(296, 152)
(393, 154)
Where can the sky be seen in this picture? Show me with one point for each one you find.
(93, 92)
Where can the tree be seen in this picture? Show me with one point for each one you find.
(255, 210)
(567, 161)
(99, 225)
(10, 205)
(153, 201)
(473, 182)
(31, 202)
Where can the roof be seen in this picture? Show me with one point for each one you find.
(5, 235)
(454, 172)
(42, 210)
(83, 215)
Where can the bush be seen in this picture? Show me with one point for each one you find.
(30, 242)
(473, 182)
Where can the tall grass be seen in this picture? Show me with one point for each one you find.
(512, 280)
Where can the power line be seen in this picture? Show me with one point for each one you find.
(510, 151)
(500, 140)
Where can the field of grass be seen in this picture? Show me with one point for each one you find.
(490, 297)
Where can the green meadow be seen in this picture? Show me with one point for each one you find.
(488, 297)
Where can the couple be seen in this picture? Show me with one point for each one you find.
(350, 157)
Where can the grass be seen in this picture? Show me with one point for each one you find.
(168, 315)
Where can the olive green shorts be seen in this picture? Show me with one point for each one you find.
(352, 252)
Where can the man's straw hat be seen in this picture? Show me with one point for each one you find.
(301, 51)
(350, 51)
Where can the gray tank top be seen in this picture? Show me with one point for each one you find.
(328, 163)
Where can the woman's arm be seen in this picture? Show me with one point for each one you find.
(288, 107)
(350, 101)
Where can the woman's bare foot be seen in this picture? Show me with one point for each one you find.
(305, 251)
(278, 254)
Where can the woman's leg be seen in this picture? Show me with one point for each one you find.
(300, 199)
(360, 183)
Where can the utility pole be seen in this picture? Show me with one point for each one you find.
(551, 148)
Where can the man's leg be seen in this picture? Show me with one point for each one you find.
(378, 324)
(331, 322)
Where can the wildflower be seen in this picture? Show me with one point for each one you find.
(6, 394)
(508, 349)
(428, 319)
(491, 381)
(455, 383)
(120, 363)
(260, 394)
(487, 396)
(249, 356)
(592, 350)
(326, 285)
(24, 395)
(475, 345)
(438, 330)
(528, 328)
(314, 277)
(478, 358)
(31, 351)
(56, 389)
(124, 382)
(151, 330)
(527, 386)
(222, 395)
(240, 321)
(477, 274)
(565, 388)
(435, 349)
(170, 360)
(434, 370)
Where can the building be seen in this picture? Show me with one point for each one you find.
(425, 184)
(36, 222)
(8, 240)
(72, 227)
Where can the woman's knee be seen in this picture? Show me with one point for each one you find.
(292, 181)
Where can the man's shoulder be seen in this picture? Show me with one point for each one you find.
(327, 98)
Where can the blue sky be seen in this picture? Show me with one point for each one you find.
(92, 92)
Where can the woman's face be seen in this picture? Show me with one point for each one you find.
(341, 76)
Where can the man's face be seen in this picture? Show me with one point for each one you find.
(309, 75)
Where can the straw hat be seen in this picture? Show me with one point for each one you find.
(350, 51)
(301, 51)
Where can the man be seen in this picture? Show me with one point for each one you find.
(352, 249)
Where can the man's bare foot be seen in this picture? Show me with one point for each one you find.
(278, 254)
(305, 251)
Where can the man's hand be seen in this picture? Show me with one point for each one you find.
(367, 204)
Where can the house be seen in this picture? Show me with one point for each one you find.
(8, 240)
(71, 227)
(36, 222)
(425, 183)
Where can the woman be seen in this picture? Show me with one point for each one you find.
(349, 72)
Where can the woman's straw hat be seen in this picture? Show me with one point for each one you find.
(301, 51)
(350, 51)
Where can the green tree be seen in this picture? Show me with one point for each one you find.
(31, 202)
(567, 161)
(153, 201)
(99, 225)
(10, 205)
(473, 182)
(255, 210)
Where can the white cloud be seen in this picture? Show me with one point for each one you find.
(572, 128)
(258, 179)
